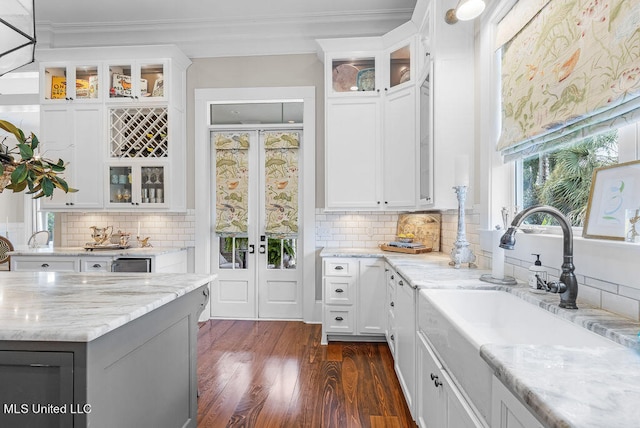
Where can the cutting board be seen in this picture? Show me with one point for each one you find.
(384, 247)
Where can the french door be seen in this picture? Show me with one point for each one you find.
(255, 240)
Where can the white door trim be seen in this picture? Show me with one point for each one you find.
(203, 191)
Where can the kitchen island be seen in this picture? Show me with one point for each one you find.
(99, 349)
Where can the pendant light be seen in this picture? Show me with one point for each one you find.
(466, 10)
(17, 34)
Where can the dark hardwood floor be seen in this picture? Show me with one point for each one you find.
(276, 374)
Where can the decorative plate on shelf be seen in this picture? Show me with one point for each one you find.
(344, 77)
(367, 79)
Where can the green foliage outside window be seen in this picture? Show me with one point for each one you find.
(562, 178)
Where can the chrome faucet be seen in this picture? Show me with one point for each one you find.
(568, 284)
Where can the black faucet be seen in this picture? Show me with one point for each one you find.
(568, 284)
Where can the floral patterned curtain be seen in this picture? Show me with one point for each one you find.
(281, 183)
(232, 183)
(571, 72)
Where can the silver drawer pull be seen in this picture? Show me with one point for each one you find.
(339, 268)
(97, 265)
(339, 319)
(339, 290)
(44, 265)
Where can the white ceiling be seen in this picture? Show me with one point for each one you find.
(207, 28)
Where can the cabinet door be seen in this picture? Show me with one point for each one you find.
(431, 400)
(507, 411)
(399, 156)
(74, 133)
(352, 153)
(371, 297)
(405, 343)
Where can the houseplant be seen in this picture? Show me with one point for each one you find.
(21, 168)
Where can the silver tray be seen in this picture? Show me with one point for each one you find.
(90, 247)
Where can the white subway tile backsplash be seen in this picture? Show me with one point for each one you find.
(621, 305)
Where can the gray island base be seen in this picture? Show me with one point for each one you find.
(99, 350)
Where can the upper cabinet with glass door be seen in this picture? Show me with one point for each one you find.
(351, 75)
(137, 81)
(398, 67)
(64, 83)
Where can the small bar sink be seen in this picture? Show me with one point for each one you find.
(498, 317)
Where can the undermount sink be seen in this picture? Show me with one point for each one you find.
(498, 317)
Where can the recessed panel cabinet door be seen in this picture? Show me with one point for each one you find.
(352, 162)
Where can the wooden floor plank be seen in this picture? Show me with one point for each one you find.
(276, 374)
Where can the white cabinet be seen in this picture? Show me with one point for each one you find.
(391, 310)
(73, 132)
(405, 339)
(353, 298)
(371, 143)
(439, 403)
(131, 116)
(507, 411)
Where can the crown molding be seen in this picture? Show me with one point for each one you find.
(197, 38)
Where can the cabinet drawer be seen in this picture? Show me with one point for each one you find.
(339, 291)
(339, 320)
(68, 265)
(95, 265)
(340, 267)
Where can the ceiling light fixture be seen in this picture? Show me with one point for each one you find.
(17, 34)
(466, 10)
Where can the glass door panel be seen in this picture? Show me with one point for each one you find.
(281, 253)
(354, 75)
(55, 82)
(152, 179)
(233, 253)
(400, 66)
(87, 79)
(120, 184)
(120, 85)
(152, 80)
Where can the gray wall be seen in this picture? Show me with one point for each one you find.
(251, 72)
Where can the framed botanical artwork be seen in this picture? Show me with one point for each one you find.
(614, 190)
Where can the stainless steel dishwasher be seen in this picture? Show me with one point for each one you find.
(131, 265)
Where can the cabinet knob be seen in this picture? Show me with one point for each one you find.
(339, 319)
(385, 202)
(392, 277)
(97, 265)
(44, 265)
(437, 383)
(400, 283)
(392, 337)
(339, 290)
(339, 267)
(392, 304)
(378, 202)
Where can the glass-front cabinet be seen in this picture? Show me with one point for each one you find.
(136, 81)
(56, 82)
(353, 75)
(137, 185)
(399, 65)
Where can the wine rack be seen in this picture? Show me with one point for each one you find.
(137, 132)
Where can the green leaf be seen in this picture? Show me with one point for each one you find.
(10, 127)
(17, 187)
(57, 168)
(19, 174)
(25, 151)
(34, 141)
(61, 184)
(47, 186)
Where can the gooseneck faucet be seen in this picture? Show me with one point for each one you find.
(568, 284)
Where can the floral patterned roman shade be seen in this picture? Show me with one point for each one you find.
(573, 71)
(281, 183)
(232, 183)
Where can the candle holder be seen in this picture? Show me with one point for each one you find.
(461, 253)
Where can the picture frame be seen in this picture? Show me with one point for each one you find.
(614, 189)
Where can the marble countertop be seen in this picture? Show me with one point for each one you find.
(81, 252)
(80, 307)
(564, 386)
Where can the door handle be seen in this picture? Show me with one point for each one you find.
(262, 249)
(252, 249)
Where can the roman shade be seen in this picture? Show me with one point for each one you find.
(571, 72)
(232, 183)
(281, 183)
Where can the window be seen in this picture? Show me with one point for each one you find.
(562, 178)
